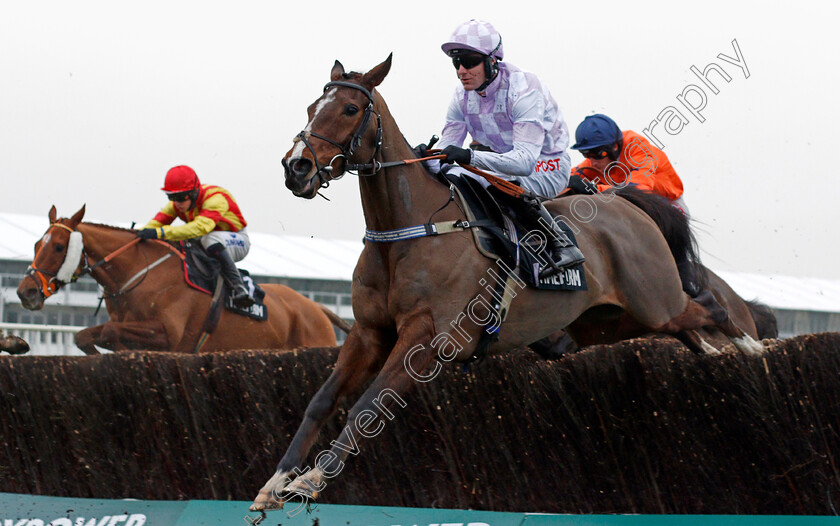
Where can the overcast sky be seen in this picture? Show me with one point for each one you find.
(99, 99)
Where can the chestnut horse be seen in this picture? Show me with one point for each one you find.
(424, 298)
(151, 307)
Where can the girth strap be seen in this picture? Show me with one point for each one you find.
(424, 230)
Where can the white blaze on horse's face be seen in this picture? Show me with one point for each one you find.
(328, 97)
(72, 259)
(46, 239)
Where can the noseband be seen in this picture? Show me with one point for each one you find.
(348, 150)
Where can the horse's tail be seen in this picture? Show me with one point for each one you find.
(764, 318)
(336, 320)
(674, 225)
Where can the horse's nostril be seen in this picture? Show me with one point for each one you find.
(300, 166)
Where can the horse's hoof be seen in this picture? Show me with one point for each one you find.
(749, 346)
(708, 348)
(307, 486)
(14, 345)
(270, 496)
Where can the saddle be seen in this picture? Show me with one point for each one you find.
(202, 273)
(499, 235)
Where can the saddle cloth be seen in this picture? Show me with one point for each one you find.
(201, 272)
(501, 236)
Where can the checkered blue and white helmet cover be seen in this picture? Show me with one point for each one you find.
(476, 35)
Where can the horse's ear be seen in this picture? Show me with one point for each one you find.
(337, 72)
(374, 77)
(53, 214)
(77, 217)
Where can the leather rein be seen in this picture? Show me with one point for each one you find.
(324, 171)
(48, 282)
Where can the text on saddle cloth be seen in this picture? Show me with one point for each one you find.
(201, 271)
(512, 242)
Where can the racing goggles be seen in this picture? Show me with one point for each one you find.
(596, 153)
(180, 196)
(468, 60)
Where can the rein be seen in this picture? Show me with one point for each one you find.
(142, 274)
(346, 151)
(49, 287)
(374, 166)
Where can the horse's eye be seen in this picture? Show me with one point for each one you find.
(351, 109)
(59, 247)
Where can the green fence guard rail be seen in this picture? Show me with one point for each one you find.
(29, 510)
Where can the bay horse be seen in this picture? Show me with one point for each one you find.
(755, 318)
(419, 299)
(151, 307)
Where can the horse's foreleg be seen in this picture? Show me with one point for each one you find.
(124, 336)
(380, 401)
(743, 341)
(86, 339)
(360, 358)
(696, 343)
(705, 311)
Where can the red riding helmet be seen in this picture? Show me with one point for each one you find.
(180, 179)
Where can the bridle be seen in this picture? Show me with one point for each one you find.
(324, 171)
(48, 287)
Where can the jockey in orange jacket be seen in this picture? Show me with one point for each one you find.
(210, 215)
(616, 158)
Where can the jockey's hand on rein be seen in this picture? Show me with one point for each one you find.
(456, 155)
(579, 186)
(421, 150)
(147, 233)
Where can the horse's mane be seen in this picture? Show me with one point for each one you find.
(355, 76)
(110, 227)
(673, 224)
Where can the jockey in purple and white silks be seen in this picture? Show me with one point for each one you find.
(518, 119)
(513, 114)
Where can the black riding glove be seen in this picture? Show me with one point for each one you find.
(147, 233)
(421, 150)
(579, 186)
(456, 155)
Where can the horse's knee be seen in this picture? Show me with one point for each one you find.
(86, 339)
(321, 406)
(717, 312)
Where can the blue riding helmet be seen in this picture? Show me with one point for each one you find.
(596, 131)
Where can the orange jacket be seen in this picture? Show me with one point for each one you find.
(645, 165)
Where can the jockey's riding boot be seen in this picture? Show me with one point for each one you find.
(239, 292)
(562, 252)
(688, 277)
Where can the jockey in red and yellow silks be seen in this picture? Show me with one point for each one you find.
(211, 216)
(215, 209)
